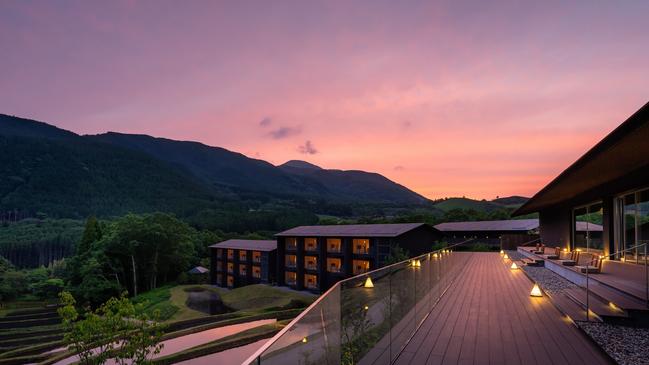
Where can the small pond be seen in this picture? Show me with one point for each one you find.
(206, 301)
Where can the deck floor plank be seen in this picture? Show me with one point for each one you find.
(488, 317)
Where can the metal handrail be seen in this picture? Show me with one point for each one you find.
(257, 355)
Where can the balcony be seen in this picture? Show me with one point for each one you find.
(290, 261)
(361, 266)
(334, 265)
(256, 257)
(230, 254)
(290, 278)
(310, 263)
(290, 244)
(256, 272)
(334, 245)
(310, 245)
(243, 256)
(361, 246)
(310, 281)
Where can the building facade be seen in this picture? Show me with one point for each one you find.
(607, 186)
(315, 257)
(236, 263)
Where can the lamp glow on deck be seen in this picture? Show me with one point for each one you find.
(304, 340)
(415, 263)
(368, 283)
(435, 255)
(502, 252)
(506, 257)
(536, 291)
(366, 307)
(514, 266)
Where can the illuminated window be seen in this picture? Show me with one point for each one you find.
(230, 254)
(230, 280)
(256, 256)
(310, 244)
(291, 261)
(311, 281)
(243, 255)
(243, 270)
(334, 264)
(290, 278)
(230, 268)
(256, 272)
(361, 246)
(361, 266)
(334, 245)
(291, 243)
(311, 262)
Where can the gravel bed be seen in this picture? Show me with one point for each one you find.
(627, 345)
(550, 281)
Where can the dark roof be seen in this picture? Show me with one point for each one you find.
(623, 151)
(514, 225)
(506, 225)
(353, 230)
(255, 245)
(198, 270)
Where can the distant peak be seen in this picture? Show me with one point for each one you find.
(300, 165)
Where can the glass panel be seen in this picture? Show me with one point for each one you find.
(291, 243)
(629, 227)
(313, 338)
(230, 267)
(588, 230)
(230, 254)
(642, 221)
(243, 255)
(256, 272)
(366, 319)
(402, 302)
(311, 281)
(243, 270)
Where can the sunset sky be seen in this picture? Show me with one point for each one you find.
(449, 98)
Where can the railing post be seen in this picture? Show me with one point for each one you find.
(646, 276)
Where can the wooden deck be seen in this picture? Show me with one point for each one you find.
(488, 317)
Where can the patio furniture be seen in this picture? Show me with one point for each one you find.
(540, 249)
(555, 255)
(592, 267)
(572, 261)
(532, 262)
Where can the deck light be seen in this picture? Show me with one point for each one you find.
(514, 266)
(502, 252)
(536, 291)
(415, 263)
(435, 255)
(368, 283)
(304, 340)
(366, 307)
(505, 257)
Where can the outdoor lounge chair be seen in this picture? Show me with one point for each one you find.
(572, 261)
(555, 255)
(540, 249)
(592, 267)
(532, 262)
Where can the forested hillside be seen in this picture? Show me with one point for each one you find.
(32, 243)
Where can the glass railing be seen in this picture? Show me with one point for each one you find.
(366, 319)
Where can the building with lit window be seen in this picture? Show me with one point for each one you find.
(608, 187)
(242, 262)
(315, 257)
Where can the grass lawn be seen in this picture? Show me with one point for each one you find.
(171, 300)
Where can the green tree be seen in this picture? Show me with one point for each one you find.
(117, 329)
(91, 234)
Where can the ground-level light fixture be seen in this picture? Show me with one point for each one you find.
(368, 283)
(536, 291)
(435, 255)
(502, 252)
(415, 263)
(366, 307)
(304, 340)
(505, 257)
(514, 266)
